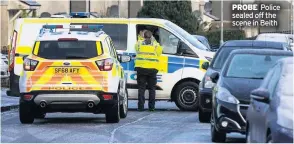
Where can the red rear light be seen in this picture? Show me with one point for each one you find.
(105, 65)
(59, 26)
(67, 39)
(107, 96)
(12, 51)
(27, 96)
(30, 65)
(84, 26)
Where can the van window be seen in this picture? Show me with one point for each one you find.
(166, 39)
(68, 49)
(117, 32)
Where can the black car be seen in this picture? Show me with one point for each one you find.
(243, 71)
(270, 114)
(205, 87)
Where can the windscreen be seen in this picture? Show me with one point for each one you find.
(191, 39)
(222, 57)
(67, 49)
(251, 66)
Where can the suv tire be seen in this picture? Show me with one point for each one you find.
(26, 113)
(113, 114)
(186, 96)
(124, 105)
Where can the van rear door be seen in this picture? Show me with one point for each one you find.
(26, 36)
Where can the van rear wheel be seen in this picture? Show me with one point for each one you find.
(186, 96)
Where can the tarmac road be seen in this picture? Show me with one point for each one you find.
(166, 124)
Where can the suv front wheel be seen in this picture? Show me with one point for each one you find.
(113, 114)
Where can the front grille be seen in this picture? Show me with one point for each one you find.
(2, 73)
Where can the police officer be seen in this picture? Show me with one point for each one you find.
(147, 65)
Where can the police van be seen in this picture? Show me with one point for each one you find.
(180, 64)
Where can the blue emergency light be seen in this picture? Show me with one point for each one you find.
(52, 26)
(80, 14)
(92, 27)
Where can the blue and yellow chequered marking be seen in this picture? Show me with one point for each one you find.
(168, 64)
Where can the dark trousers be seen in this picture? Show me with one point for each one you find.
(146, 76)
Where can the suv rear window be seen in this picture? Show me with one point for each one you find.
(68, 49)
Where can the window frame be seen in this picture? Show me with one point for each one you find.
(178, 45)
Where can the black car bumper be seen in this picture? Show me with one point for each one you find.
(282, 135)
(229, 117)
(71, 101)
(205, 99)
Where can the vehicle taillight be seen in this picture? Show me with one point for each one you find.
(30, 65)
(104, 65)
(12, 51)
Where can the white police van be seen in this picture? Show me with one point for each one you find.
(180, 62)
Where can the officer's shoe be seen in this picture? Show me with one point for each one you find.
(151, 109)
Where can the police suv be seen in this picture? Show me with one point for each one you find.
(73, 72)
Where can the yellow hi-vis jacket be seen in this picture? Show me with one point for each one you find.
(148, 55)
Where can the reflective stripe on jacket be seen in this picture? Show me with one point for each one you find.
(148, 55)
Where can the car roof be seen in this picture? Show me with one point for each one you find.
(254, 44)
(80, 35)
(262, 52)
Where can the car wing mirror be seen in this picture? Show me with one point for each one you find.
(205, 65)
(261, 95)
(214, 77)
(124, 58)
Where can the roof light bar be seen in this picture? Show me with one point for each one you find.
(94, 27)
(52, 26)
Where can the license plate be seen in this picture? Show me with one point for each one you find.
(67, 70)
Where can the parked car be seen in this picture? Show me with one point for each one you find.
(242, 72)
(4, 66)
(205, 87)
(270, 114)
(286, 39)
(203, 40)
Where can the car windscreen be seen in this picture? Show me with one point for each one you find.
(251, 66)
(68, 49)
(222, 56)
(191, 39)
(203, 40)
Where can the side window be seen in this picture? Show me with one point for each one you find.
(117, 32)
(185, 50)
(168, 41)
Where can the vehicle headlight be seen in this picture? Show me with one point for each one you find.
(208, 83)
(208, 58)
(226, 96)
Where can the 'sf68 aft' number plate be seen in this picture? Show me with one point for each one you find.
(67, 70)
